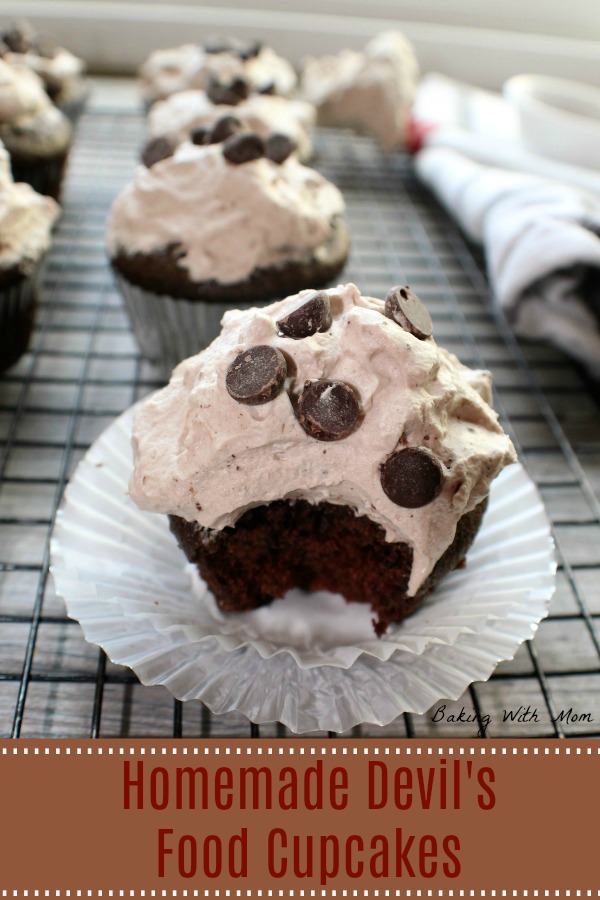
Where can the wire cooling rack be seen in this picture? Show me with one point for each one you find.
(82, 370)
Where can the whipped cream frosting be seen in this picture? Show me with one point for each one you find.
(166, 72)
(56, 71)
(371, 91)
(26, 220)
(229, 219)
(22, 93)
(202, 456)
(177, 116)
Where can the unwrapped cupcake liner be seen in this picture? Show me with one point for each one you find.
(18, 305)
(169, 329)
(310, 661)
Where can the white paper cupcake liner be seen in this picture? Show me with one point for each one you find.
(169, 329)
(124, 579)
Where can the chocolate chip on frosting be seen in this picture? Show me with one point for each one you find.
(223, 128)
(412, 477)
(405, 308)
(243, 147)
(18, 38)
(243, 49)
(214, 44)
(249, 50)
(257, 375)
(231, 93)
(156, 149)
(313, 315)
(279, 147)
(328, 410)
(199, 134)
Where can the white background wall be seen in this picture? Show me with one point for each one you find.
(482, 41)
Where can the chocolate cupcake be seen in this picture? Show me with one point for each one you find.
(35, 133)
(323, 442)
(214, 226)
(193, 66)
(175, 119)
(26, 220)
(61, 72)
(370, 91)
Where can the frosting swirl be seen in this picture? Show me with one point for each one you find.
(228, 219)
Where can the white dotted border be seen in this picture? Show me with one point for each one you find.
(559, 750)
(301, 751)
(409, 892)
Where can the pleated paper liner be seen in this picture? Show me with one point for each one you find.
(309, 661)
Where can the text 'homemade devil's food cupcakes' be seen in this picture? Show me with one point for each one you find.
(323, 442)
(216, 226)
(26, 220)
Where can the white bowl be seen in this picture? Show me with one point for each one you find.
(559, 119)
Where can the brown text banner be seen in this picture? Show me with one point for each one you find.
(241, 816)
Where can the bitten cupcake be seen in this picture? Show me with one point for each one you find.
(216, 226)
(169, 71)
(172, 121)
(61, 72)
(26, 220)
(323, 442)
(35, 133)
(370, 91)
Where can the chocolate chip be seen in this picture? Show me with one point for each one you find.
(18, 38)
(216, 45)
(328, 410)
(230, 94)
(243, 147)
(412, 477)
(199, 135)
(224, 128)
(243, 49)
(267, 88)
(156, 149)
(405, 308)
(314, 315)
(257, 375)
(279, 146)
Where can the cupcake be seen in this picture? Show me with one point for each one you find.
(26, 220)
(370, 91)
(61, 72)
(323, 442)
(172, 121)
(35, 133)
(216, 226)
(193, 66)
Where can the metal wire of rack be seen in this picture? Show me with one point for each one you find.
(82, 370)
